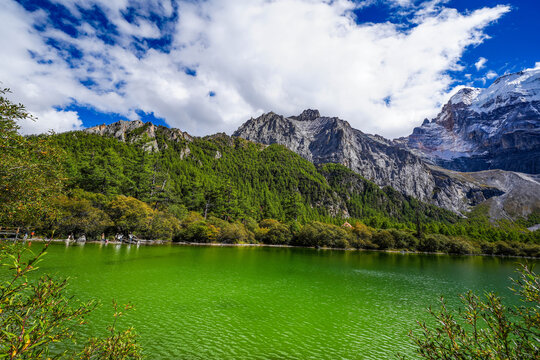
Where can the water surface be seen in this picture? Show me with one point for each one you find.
(196, 302)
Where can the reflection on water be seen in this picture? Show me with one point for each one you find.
(260, 303)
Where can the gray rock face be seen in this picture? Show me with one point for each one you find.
(479, 129)
(519, 197)
(331, 140)
(118, 129)
(137, 131)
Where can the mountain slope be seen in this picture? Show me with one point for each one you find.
(226, 176)
(520, 197)
(480, 129)
(331, 140)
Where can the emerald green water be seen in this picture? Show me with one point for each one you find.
(269, 303)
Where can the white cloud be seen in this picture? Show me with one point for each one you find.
(57, 121)
(491, 74)
(481, 63)
(404, 3)
(40, 86)
(256, 55)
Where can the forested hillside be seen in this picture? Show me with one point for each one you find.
(161, 183)
(231, 178)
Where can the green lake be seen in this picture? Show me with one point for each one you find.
(212, 302)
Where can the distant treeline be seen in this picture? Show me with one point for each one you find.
(96, 214)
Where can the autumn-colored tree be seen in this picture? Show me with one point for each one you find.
(78, 216)
(30, 169)
(163, 226)
(130, 214)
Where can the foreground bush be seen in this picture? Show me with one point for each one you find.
(484, 328)
(34, 314)
(119, 344)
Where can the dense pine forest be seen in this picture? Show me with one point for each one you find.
(226, 189)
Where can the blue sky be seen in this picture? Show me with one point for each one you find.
(208, 66)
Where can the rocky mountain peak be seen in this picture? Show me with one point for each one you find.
(308, 115)
(510, 89)
(465, 96)
(118, 129)
(138, 131)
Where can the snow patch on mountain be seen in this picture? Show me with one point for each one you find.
(479, 129)
(510, 89)
(465, 96)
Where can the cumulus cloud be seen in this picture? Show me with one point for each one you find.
(51, 120)
(253, 55)
(491, 74)
(42, 81)
(481, 63)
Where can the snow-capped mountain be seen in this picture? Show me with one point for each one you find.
(493, 128)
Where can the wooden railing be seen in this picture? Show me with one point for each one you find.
(9, 233)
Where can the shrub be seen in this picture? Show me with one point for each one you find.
(530, 250)
(487, 248)
(273, 232)
(250, 224)
(130, 214)
(119, 344)
(503, 248)
(432, 243)
(320, 234)
(235, 233)
(362, 231)
(341, 243)
(163, 226)
(198, 231)
(404, 239)
(37, 314)
(78, 216)
(383, 239)
(458, 246)
(485, 328)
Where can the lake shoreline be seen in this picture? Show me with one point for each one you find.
(393, 251)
